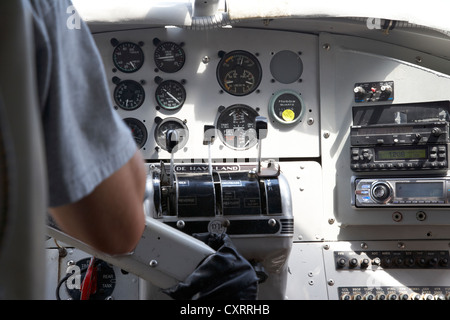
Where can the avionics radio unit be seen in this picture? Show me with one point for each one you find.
(399, 192)
(400, 137)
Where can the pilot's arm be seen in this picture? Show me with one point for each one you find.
(111, 217)
(96, 175)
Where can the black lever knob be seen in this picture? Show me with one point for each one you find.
(172, 139)
(261, 127)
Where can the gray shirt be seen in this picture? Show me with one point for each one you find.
(86, 141)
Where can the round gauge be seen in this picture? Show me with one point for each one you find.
(106, 279)
(239, 73)
(129, 95)
(138, 131)
(128, 57)
(169, 57)
(170, 95)
(236, 126)
(286, 107)
(168, 124)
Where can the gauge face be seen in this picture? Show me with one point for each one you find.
(236, 126)
(138, 131)
(169, 57)
(239, 73)
(165, 126)
(106, 279)
(170, 95)
(128, 57)
(286, 107)
(129, 95)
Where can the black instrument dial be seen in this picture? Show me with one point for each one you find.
(138, 131)
(167, 124)
(236, 126)
(128, 57)
(105, 277)
(286, 107)
(129, 95)
(239, 73)
(170, 95)
(169, 57)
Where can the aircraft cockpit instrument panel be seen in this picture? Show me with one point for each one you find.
(325, 152)
(219, 78)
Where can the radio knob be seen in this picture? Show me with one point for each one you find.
(436, 132)
(381, 192)
(386, 89)
(359, 90)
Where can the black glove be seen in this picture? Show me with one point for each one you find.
(222, 275)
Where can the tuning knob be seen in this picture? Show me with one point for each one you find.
(436, 132)
(381, 192)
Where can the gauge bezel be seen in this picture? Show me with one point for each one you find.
(134, 68)
(182, 125)
(274, 114)
(166, 66)
(158, 93)
(223, 113)
(141, 126)
(134, 83)
(222, 70)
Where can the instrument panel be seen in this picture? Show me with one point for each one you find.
(173, 83)
(171, 77)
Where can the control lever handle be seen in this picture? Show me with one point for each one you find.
(261, 127)
(209, 135)
(261, 133)
(172, 139)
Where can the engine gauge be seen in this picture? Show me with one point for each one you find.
(169, 57)
(236, 126)
(105, 277)
(239, 73)
(171, 123)
(286, 107)
(170, 95)
(128, 57)
(129, 95)
(138, 130)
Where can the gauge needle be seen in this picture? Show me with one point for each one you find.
(165, 57)
(171, 95)
(132, 64)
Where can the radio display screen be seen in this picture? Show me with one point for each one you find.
(401, 154)
(419, 189)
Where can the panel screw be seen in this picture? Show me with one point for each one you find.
(153, 263)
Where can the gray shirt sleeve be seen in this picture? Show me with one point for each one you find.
(86, 141)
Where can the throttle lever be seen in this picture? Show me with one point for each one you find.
(209, 135)
(172, 140)
(261, 133)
